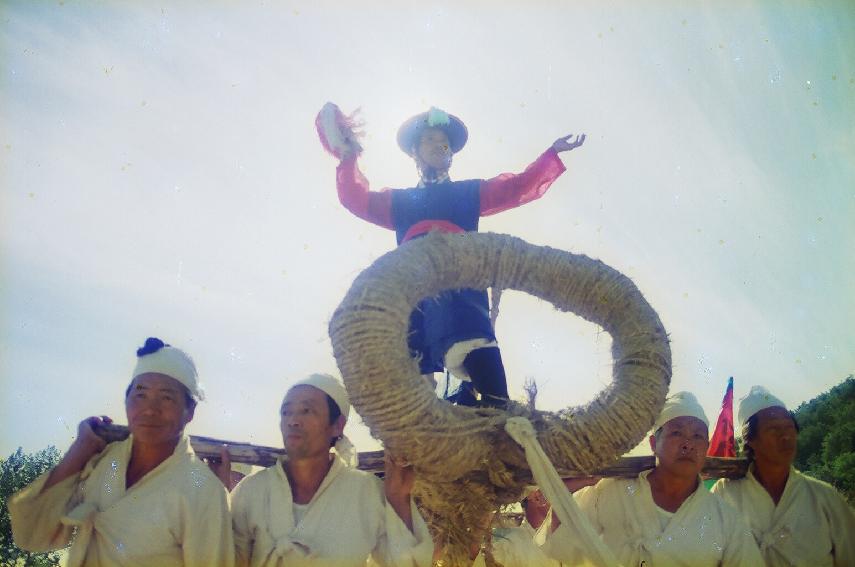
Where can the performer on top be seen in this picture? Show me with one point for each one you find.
(452, 330)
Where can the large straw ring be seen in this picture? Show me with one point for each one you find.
(445, 442)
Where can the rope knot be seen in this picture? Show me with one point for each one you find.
(82, 515)
(521, 430)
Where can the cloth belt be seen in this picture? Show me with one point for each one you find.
(521, 430)
(641, 545)
(288, 551)
(770, 538)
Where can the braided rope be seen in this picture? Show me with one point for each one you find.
(455, 448)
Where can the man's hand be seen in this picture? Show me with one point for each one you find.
(398, 482)
(566, 143)
(88, 443)
(223, 468)
(85, 446)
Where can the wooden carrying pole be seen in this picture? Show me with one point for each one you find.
(372, 461)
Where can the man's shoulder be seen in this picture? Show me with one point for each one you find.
(613, 485)
(195, 477)
(817, 486)
(612, 491)
(361, 479)
(257, 479)
(726, 486)
(710, 501)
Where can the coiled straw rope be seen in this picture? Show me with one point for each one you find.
(465, 462)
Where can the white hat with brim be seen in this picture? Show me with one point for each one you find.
(411, 130)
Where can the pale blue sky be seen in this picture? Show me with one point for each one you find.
(160, 175)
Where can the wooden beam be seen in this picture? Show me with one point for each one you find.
(372, 461)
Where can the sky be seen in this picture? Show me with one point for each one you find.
(160, 175)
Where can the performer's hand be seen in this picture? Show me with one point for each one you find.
(353, 148)
(566, 143)
(398, 482)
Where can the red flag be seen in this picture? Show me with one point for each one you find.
(722, 443)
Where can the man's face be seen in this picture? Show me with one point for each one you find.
(434, 150)
(156, 408)
(775, 439)
(681, 446)
(305, 423)
(536, 508)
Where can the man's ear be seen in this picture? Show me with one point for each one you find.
(191, 412)
(338, 425)
(653, 443)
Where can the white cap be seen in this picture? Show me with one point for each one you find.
(681, 404)
(331, 387)
(757, 399)
(335, 390)
(172, 362)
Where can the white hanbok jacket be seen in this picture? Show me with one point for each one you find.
(812, 525)
(704, 531)
(176, 515)
(518, 547)
(347, 520)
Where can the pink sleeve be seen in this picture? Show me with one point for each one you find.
(354, 194)
(509, 190)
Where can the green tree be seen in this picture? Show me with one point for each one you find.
(16, 472)
(827, 437)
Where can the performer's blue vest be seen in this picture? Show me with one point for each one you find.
(457, 202)
(454, 315)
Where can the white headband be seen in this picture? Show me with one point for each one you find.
(335, 390)
(331, 387)
(757, 399)
(681, 404)
(172, 362)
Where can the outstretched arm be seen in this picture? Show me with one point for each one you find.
(509, 190)
(355, 194)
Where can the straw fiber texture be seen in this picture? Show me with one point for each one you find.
(465, 463)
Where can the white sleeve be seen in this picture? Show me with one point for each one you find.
(36, 514)
(207, 535)
(241, 528)
(398, 546)
(841, 521)
(564, 543)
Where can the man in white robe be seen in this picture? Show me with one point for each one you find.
(313, 508)
(140, 502)
(537, 519)
(796, 520)
(518, 547)
(521, 546)
(665, 516)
